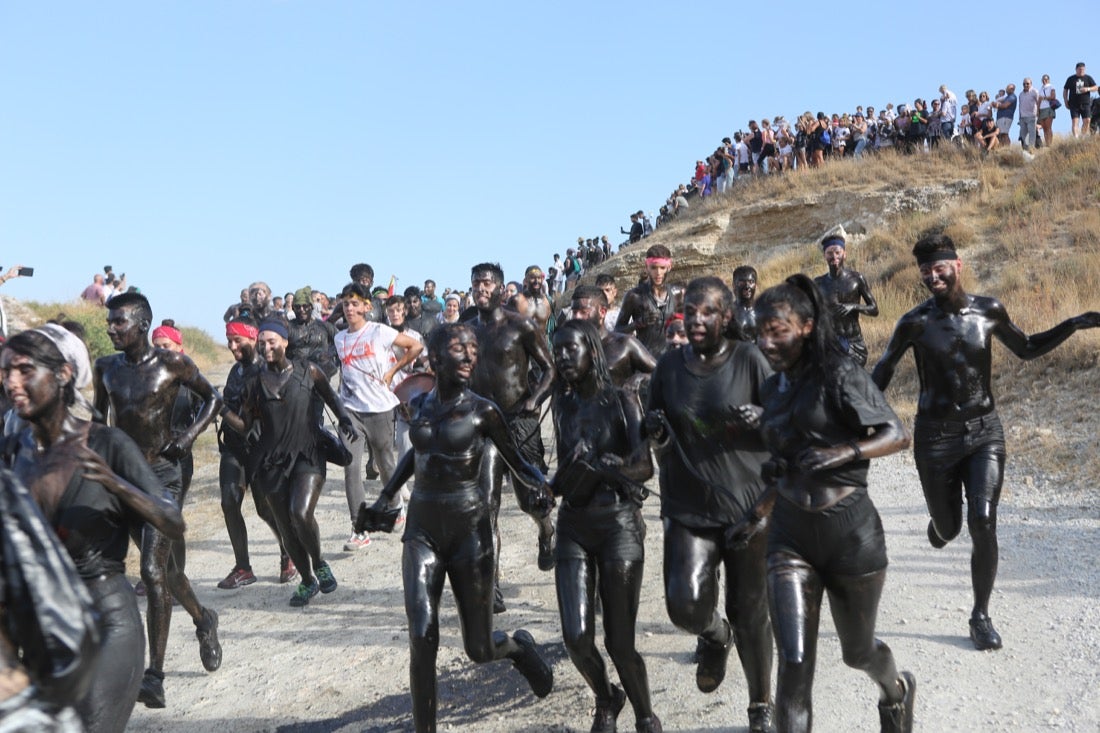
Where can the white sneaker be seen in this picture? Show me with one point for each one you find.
(357, 541)
(401, 517)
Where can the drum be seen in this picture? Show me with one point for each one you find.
(412, 387)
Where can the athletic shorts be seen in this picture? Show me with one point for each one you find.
(846, 541)
(455, 524)
(609, 528)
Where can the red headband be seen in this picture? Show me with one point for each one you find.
(167, 332)
(241, 329)
(672, 319)
(666, 261)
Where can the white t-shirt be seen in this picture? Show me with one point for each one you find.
(365, 357)
(611, 318)
(1044, 96)
(399, 353)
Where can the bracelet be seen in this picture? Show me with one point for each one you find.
(859, 453)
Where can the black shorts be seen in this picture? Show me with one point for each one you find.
(527, 433)
(848, 541)
(611, 530)
(951, 455)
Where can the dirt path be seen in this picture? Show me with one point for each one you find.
(341, 663)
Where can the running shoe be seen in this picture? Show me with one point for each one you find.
(982, 633)
(325, 579)
(238, 578)
(607, 711)
(210, 649)
(400, 521)
(652, 724)
(357, 541)
(532, 666)
(151, 694)
(760, 717)
(304, 593)
(712, 663)
(898, 717)
(287, 571)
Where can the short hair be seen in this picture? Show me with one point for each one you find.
(356, 290)
(932, 242)
(591, 292)
(396, 300)
(361, 269)
(429, 280)
(412, 292)
(519, 286)
(711, 284)
(138, 302)
(658, 250)
(604, 279)
(490, 267)
(745, 270)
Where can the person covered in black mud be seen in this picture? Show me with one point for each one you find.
(627, 360)
(94, 487)
(848, 295)
(286, 464)
(311, 338)
(744, 293)
(959, 443)
(234, 475)
(140, 389)
(49, 645)
(823, 419)
(601, 534)
(710, 460)
(648, 306)
(456, 437)
(510, 346)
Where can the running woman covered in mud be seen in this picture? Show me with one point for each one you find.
(456, 436)
(823, 419)
(603, 461)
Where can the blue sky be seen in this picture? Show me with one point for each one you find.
(198, 146)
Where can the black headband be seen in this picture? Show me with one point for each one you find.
(939, 255)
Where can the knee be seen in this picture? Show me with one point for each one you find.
(231, 498)
(620, 647)
(982, 525)
(479, 651)
(685, 610)
(153, 572)
(860, 657)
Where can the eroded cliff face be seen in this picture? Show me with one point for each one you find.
(725, 235)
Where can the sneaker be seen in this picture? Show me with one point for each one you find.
(760, 717)
(712, 663)
(652, 724)
(983, 634)
(357, 541)
(238, 578)
(371, 472)
(326, 581)
(304, 593)
(547, 560)
(400, 521)
(152, 689)
(139, 589)
(287, 571)
(897, 717)
(210, 649)
(498, 600)
(532, 666)
(934, 538)
(607, 711)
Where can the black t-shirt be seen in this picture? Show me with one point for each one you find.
(729, 458)
(92, 523)
(1073, 83)
(800, 415)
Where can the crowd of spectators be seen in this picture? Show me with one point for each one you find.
(106, 286)
(777, 146)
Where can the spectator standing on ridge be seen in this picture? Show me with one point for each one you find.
(1047, 95)
(1029, 113)
(1076, 95)
(635, 229)
(949, 111)
(94, 293)
(1006, 111)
